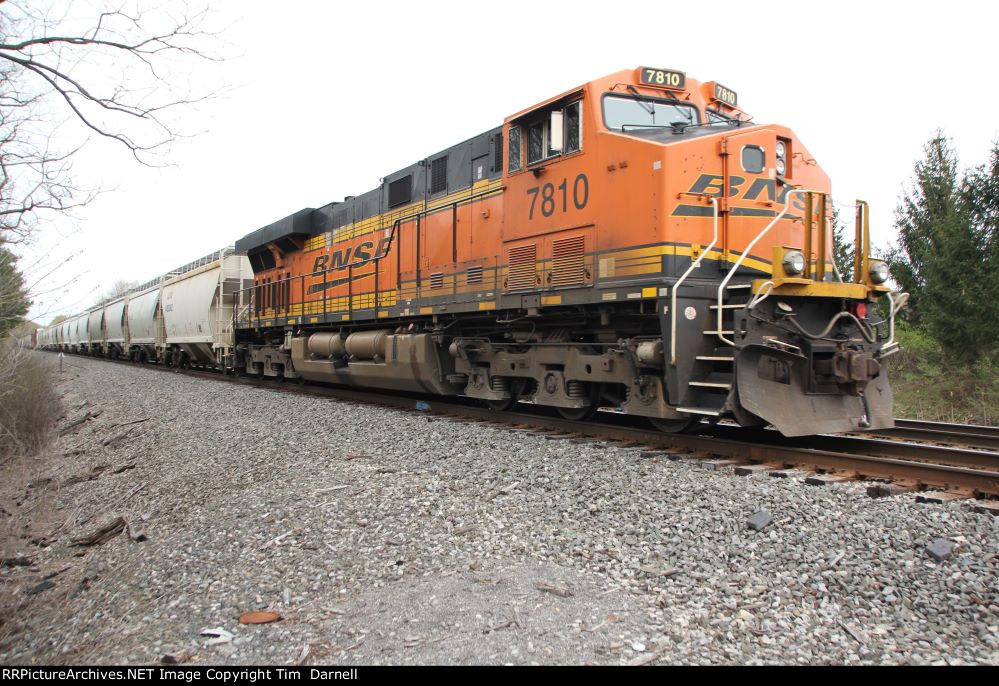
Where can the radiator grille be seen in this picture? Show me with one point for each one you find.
(569, 261)
(498, 152)
(438, 175)
(522, 267)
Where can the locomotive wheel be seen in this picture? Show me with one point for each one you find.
(578, 414)
(501, 405)
(582, 414)
(519, 388)
(674, 426)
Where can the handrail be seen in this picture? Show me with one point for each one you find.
(861, 243)
(693, 265)
(742, 257)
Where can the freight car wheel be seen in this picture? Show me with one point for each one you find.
(674, 426)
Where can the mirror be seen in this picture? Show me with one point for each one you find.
(555, 132)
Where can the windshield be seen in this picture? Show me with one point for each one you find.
(623, 113)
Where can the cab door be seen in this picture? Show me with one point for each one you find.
(754, 198)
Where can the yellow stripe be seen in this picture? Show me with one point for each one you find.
(385, 220)
(680, 251)
(491, 305)
(552, 300)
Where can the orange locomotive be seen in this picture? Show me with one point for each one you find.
(586, 255)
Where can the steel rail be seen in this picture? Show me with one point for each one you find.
(922, 452)
(940, 432)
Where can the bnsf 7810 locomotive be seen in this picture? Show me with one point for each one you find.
(633, 243)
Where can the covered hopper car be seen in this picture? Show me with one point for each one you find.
(181, 318)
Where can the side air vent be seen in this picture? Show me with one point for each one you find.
(474, 274)
(498, 152)
(438, 175)
(522, 268)
(437, 280)
(569, 261)
(400, 191)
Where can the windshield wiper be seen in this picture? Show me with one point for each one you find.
(684, 110)
(645, 126)
(639, 98)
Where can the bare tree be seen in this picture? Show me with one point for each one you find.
(118, 289)
(72, 76)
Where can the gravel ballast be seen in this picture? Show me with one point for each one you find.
(383, 536)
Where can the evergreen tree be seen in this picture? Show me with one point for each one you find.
(980, 194)
(932, 201)
(14, 300)
(939, 259)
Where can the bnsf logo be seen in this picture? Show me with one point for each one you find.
(713, 184)
(341, 259)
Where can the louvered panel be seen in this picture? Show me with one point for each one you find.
(474, 274)
(569, 261)
(437, 280)
(522, 267)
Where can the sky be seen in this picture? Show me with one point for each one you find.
(322, 99)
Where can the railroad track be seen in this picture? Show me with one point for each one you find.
(962, 471)
(939, 432)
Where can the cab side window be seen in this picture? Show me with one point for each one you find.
(552, 132)
(536, 142)
(573, 128)
(515, 149)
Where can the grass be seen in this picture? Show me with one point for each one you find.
(29, 403)
(930, 387)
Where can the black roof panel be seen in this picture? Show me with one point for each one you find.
(299, 223)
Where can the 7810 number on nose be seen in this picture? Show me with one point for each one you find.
(555, 197)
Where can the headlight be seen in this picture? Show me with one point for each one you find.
(794, 262)
(781, 166)
(781, 149)
(879, 272)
